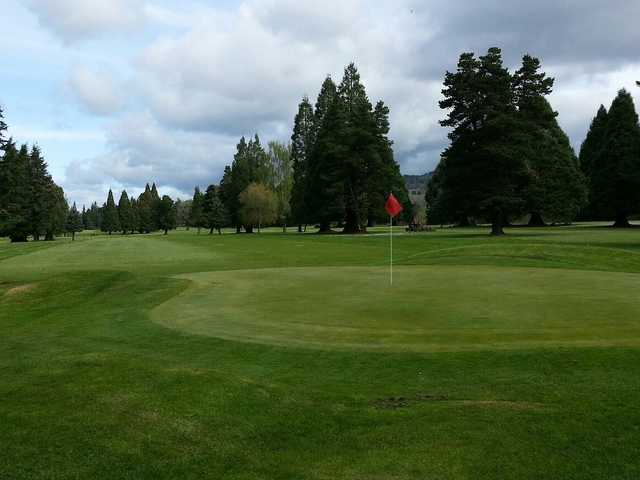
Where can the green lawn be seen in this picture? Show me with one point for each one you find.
(278, 356)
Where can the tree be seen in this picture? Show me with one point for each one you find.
(14, 193)
(155, 208)
(215, 214)
(196, 215)
(591, 151)
(250, 164)
(616, 173)
(110, 220)
(74, 222)
(302, 141)
(3, 130)
(280, 179)
(259, 206)
(145, 211)
(483, 170)
(325, 184)
(557, 187)
(58, 209)
(125, 213)
(183, 211)
(39, 193)
(166, 214)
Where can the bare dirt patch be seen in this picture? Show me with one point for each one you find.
(394, 403)
(20, 289)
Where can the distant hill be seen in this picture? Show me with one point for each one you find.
(416, 184)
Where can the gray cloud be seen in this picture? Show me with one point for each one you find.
(219, 73)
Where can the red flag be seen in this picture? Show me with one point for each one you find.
(393, 206)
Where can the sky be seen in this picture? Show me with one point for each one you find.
(119, 93)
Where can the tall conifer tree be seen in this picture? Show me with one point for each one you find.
(110, 220)
(616, 174)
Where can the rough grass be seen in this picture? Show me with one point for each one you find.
(93, 387)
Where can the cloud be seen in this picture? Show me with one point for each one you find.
(73, 20)
(96, 91)
(141, 150)
(202, 75)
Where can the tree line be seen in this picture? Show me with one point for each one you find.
(508, 157)
(31, 204)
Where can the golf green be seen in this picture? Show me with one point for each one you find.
(428, 308)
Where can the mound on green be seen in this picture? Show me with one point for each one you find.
(427, 308)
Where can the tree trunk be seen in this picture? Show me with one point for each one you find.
(19, 239)
(248, 228)
(166, 231)
(238, 229)
(73, 236)
(48, 237)
(211, 231)
(219, 231)
(536, 220)
(621, 221)
(496, 226)
(299, 228)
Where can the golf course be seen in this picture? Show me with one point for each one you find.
(291, 356)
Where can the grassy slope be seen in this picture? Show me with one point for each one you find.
(91, 387)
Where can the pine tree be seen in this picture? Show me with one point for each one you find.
(58, 209)
(215, 216)
(302, 142)
(110, 220)
(616, 172)
(14, 193)
(3, 130)
(590, 154)
(484, 172)
(135, 216)
(39, 193)
(145, 211)
(74, 222)
(166, 214)
(125, 214)
(326, 162)
(557, 188)
(155, 207)
(196, 215)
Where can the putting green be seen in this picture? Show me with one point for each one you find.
(429, 308)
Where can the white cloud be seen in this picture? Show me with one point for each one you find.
(77, 19)
(97, 91)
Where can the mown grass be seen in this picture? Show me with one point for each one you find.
(93, 387)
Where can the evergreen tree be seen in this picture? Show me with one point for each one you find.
(214, 214)
(3, 130)
(196, 219)
(135, 217)
(58, 209)
(74, 222)
(484, 172)
(125, 213)
(557, 187)
(110, 220)
(40, 193)
(590, 154)
(325, 168)
(155, 207)
(14, 193)
(302, 142)
(166, 214)
(145, 211)
(616, 173)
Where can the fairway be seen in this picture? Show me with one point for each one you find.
(289, 356)
(426, 309)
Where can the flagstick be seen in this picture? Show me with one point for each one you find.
(391, 248)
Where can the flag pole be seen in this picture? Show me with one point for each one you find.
(391, 248)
